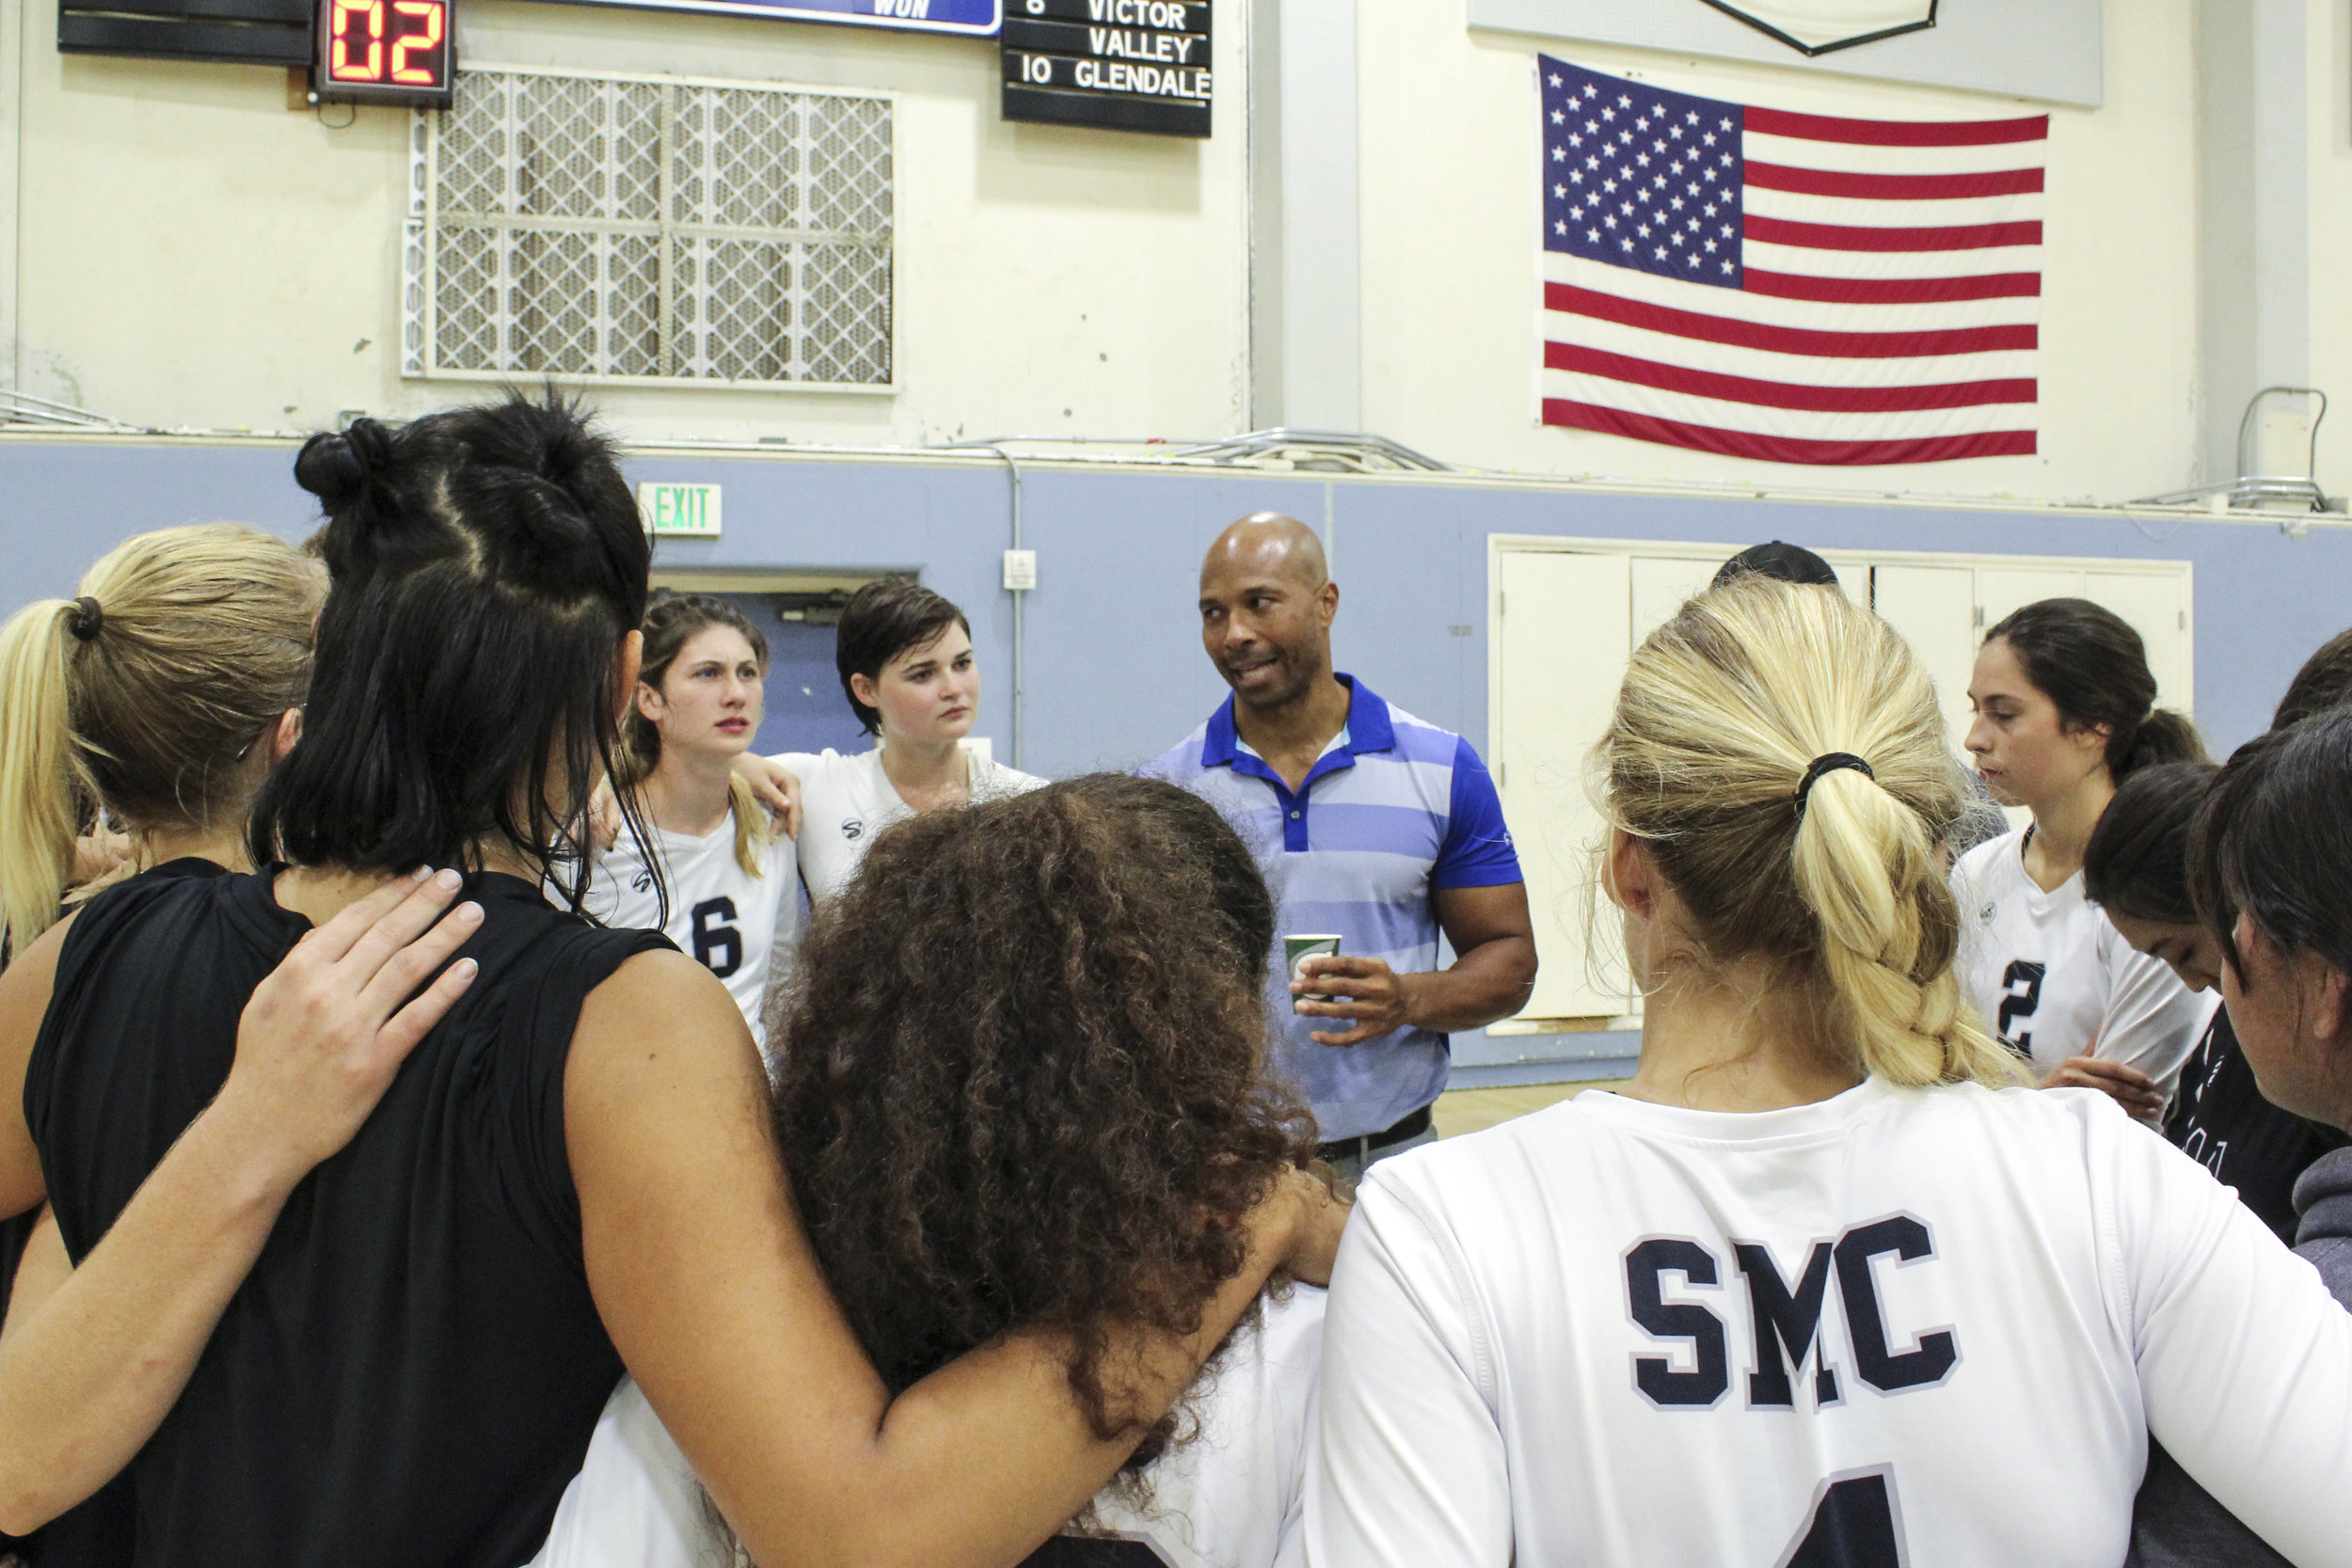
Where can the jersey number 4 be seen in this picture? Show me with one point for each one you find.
(718, 945)
(1854, 1524)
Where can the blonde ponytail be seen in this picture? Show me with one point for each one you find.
(145, 697)
(1842, 893)
(42, 784)
(753, 831)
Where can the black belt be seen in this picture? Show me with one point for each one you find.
(1350, 1149)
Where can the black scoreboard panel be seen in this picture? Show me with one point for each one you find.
(1120, 65)
(251, 32)
(397, 52)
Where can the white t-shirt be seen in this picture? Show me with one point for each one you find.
(2053, 976)
(845, 800)
(1941, 1323)
(1228, 1499)
(740, 925)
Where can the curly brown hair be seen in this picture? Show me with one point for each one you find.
(1020, 1078)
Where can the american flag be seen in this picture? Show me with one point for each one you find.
(1787, 287)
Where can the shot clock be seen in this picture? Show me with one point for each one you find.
(402, 52)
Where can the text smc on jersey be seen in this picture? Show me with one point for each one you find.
(1786, 1319)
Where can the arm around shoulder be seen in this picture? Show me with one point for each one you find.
(713, 1295)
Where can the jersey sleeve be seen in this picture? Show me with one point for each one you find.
(1477, 851)
(2153, 1021)
(2245, 1359)
(1407, 1468)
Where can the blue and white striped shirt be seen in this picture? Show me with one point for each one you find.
(1395, 811)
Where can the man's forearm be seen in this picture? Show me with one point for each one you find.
(1491, 981)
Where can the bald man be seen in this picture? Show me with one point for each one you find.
(1369, 825)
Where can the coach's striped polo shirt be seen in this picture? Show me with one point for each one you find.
(1393, 811)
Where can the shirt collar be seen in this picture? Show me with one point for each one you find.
(1368, 726)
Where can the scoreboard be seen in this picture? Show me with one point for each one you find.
(384, 52)
(1119, 65)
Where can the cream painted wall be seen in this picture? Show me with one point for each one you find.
(1450, 286)
(194, 254)
(190, 253)
(2328, 94)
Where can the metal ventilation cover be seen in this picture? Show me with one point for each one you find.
(1817, 26)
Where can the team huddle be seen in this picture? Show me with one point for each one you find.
(493, 1116)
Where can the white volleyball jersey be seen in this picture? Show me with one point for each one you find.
(1230, 1498)
(845, 800)
(2053, 976)
(740, 925)
(635, 1502)
(1932, 1327)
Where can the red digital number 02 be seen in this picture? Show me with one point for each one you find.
(430, 18)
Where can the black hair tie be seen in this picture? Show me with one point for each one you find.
(1829, 761)
(88, 616)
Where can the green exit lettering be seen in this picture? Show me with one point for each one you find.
(680, 510)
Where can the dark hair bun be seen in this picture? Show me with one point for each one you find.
(557, 484)
(340, 467)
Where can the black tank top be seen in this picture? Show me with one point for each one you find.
(2220, 1119)
(412, 1371)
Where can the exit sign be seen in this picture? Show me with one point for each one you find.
(680, 510)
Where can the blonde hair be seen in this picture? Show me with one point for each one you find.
(143, 695)
(1844, 897)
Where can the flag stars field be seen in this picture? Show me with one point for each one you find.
(1849, 292)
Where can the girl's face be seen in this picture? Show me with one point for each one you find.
(929, 694)
(710, 697)
(2290, 1013)
(2022, 745)
(2189, 949)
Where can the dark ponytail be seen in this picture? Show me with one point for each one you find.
(2136, 862)
(485, 564)
(2091, 663)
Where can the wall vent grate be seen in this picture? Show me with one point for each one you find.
(649, 230)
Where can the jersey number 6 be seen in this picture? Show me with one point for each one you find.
(718, 945)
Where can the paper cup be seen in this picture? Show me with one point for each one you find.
(1297, 948)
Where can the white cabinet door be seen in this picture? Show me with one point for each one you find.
(2002, 589)
(2156, 604)
(1934, 609)
(1662, 585)
(1563, 623)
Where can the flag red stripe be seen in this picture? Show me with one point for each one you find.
(1898, 132)
(1782, 449)
(1785, 394)
(1892, 187)
(1840, 236)
(1892, 290)
(1574, 300)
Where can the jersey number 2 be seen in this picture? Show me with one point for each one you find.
(1853, 1525)
(718, 945)
(2020, 995)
